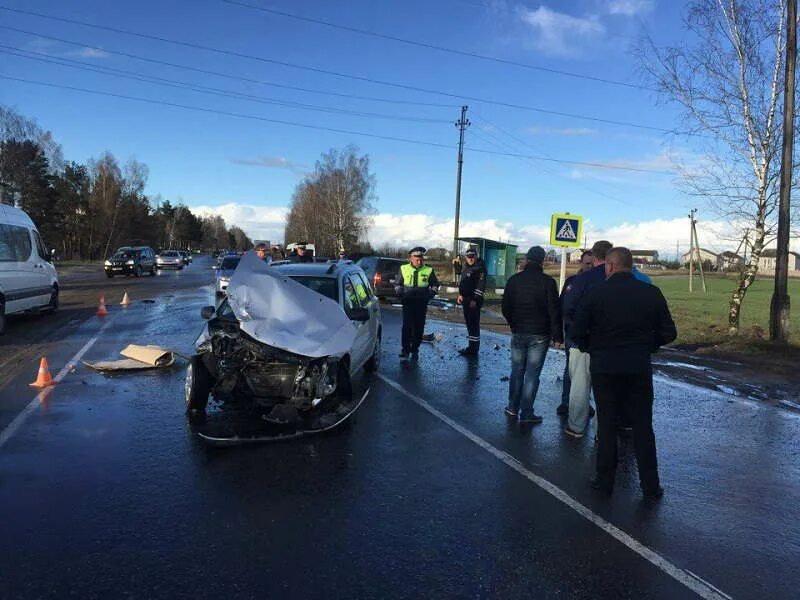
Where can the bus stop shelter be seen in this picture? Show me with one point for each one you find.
(500, 259)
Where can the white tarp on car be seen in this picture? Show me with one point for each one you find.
(280, 312)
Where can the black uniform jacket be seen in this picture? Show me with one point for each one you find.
(472, 284)
(530, 303)
(620, 323)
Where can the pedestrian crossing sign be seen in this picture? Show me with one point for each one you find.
(566, 230)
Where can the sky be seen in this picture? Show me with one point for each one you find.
(225, 129)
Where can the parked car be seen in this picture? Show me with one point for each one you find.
(169, 259)
(131, 260)
(28, 281)
(286, 342)
(225, 271)
(381, 270)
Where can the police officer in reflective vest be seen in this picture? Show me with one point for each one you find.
(415, 285)
(471, 287)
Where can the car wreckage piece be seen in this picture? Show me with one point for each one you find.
(277, 348)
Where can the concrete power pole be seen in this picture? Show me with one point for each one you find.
(779, 307)
(462, 124)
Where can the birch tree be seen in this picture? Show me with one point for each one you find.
(726, 78)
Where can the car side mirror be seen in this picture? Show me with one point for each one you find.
(359, 314)
(207, 312)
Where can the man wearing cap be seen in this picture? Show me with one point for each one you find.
(531, 307)
(416, 285)
(471, 288)
(300, 255)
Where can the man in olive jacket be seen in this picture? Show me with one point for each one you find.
(620, 323)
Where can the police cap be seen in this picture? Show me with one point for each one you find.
(471, 253)
(417, 251)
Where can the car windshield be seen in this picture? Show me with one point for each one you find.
(171, 253)
(229, 263)
(124, 253)
(322, 285)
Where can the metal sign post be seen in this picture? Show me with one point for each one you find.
(565, 231)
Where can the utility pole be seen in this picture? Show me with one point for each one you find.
(694, 250)
(779, 307)
(462, 124)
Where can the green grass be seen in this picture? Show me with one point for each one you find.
(702, 319)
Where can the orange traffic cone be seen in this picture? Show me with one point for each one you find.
(44, 379)
(125, 300)
(101, 310)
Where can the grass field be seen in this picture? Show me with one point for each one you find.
(702, 318)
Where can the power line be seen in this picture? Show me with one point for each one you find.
(430, 46)
(132, 75)
(318, 127)
(361, 78)
(226, 75)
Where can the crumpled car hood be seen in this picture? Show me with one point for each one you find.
(282, 313)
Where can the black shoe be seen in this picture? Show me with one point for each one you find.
(563, 409)
(530, 420)
(510, 413)
(601, 485)
(415, 355)
(404, 355)
(653, 493)
(468, 351)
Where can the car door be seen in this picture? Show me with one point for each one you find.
(361, 345)
(44, 270)
(371, 303)
(20, 280)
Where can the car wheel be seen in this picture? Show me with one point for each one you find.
(137, 272)
(2, 318)
(374, 361)
(110, 275)
(197, 385)
(52, 306)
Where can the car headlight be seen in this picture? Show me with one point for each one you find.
(130, 262)
(107, 263)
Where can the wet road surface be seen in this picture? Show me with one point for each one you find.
(428, 491)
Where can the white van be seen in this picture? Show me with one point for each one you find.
(28, 281)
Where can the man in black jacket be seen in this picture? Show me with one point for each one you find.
(620, 323)
(471, 287)
(531, 307)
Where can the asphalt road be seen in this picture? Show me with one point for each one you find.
(427, 492)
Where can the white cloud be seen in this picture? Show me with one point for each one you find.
(568, 131)
(629, 8)
(258, 222)
(89, 53)
(556, 33)
(407, 230)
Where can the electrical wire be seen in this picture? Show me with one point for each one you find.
(319, 127)
(430, 46)
(361, 78)
(132, 75)
(225, 75)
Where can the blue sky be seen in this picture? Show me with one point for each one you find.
(247, 169)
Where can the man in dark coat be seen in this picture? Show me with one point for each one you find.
(620, 323)
(471, 288)
(531, 308)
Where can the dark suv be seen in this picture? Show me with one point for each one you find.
(131, 260)
(381, 270)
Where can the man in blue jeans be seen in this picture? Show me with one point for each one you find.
(532, 309)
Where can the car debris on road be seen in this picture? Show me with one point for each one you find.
(137, 358)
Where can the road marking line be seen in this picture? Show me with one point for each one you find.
(26, 412)
(690, 580)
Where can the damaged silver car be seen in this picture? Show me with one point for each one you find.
(286, 342)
